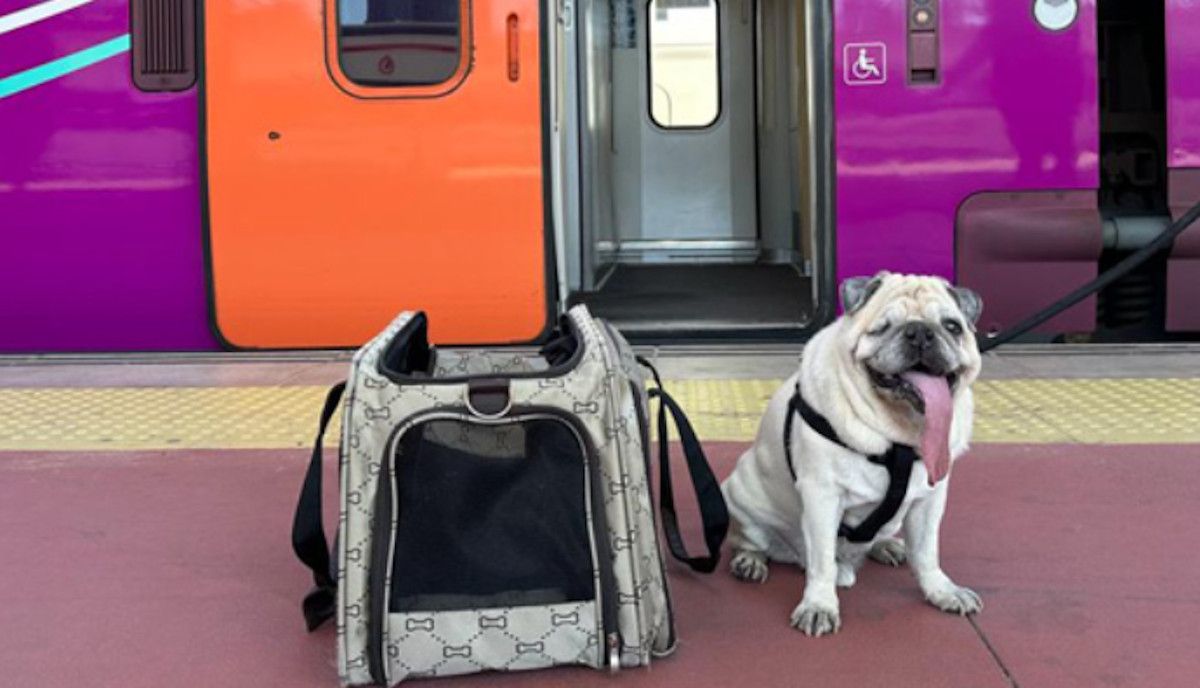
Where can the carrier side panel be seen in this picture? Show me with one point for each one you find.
(100, 246)
(333, 206)
(984, 99)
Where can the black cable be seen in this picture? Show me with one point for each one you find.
(1113, 274)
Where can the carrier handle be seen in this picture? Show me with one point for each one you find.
(308, 532)
(713, 512)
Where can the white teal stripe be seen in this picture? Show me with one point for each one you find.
(49, 71)
(35, 13)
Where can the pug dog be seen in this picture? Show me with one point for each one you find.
(894, 370)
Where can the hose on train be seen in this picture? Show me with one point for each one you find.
(1116, 272)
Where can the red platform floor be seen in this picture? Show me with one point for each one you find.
(132, 569)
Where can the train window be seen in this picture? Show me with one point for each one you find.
(685, 76)
(399, 42)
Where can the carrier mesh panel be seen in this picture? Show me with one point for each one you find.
(494, 514)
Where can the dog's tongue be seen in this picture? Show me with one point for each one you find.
(935, 437)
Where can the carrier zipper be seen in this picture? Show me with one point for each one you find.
(613, 642)
(378, 580)
(610, 648)
(382, 555)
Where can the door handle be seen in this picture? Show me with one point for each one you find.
(924, 52)
(514, 47)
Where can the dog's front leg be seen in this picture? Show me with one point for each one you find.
(921, 527)
(817, 614)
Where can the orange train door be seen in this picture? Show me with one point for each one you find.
(369, 156)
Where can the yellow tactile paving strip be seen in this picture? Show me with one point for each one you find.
(1096, 411)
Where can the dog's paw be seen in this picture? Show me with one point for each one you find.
(955, 599)
(890, 551)
(749, 566)
(816, 620)
(846, 575)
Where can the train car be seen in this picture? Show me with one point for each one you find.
(254, 174)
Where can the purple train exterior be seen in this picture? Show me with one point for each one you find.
(988, 177)
(993, 179)
(100, 209)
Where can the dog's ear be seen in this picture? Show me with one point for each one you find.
(856, 291)
(968, 302)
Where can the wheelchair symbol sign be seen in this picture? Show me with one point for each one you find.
(864, 63)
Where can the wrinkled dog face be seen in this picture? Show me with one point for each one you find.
(905, 326)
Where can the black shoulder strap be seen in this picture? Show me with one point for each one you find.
(792, 411)
(308, 533)
(713, 512)
(798, 406)
(815, 420)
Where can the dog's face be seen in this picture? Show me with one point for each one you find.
(904, 329)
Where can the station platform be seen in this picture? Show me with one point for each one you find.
(146, 502)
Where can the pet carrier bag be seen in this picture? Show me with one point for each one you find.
(496, 509)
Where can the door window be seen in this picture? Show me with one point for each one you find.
(685, 76)
(399, 42)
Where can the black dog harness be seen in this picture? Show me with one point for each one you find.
(898, 461)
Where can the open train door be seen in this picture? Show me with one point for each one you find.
(369, 156)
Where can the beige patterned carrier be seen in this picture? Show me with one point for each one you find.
(496, 509)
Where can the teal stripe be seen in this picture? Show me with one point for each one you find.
(36, 76)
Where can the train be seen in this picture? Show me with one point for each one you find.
(289, 174)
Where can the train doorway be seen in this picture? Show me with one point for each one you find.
(685, 162)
